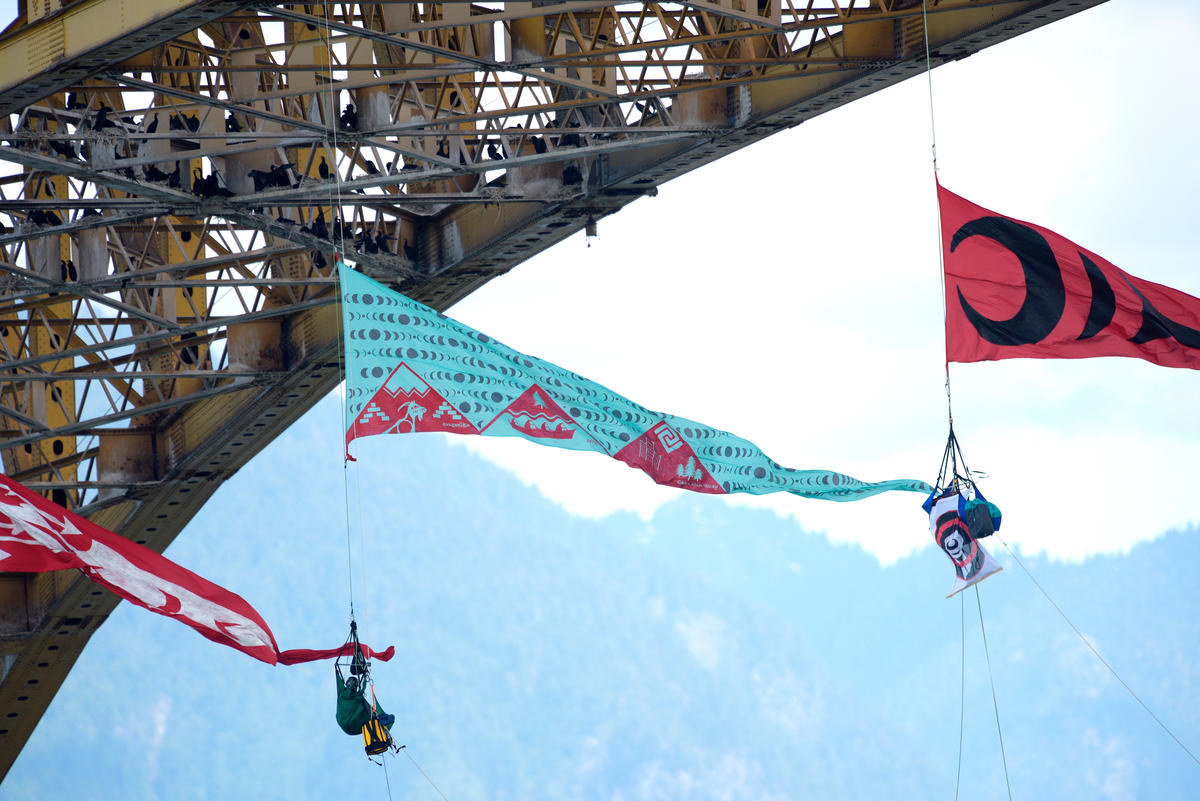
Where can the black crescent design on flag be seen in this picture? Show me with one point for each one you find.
(1104, 300)
(1156, 325)
(1045, 294)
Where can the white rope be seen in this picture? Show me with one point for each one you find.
(962, 686)
(345, 355)
(1092, 648)
(929, 82)
(933, 153)
(386, 778)
(995, 705)
(334, 123)
(423, 773)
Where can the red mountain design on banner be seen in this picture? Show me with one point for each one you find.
(535, 414)
(664, 455)
(404, 404)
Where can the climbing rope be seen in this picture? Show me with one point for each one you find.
(386, 778)
(995, 705)
(1097, 654)
(423, 773)
(338, 221)
(345, 357)
(962, 687)
(937, 206)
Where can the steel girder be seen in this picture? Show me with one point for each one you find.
(179, 174)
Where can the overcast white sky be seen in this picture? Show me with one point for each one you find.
(790, 294)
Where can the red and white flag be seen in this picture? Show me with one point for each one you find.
(1018, 290)
(37, 536)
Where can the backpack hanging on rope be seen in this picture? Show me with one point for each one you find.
(355, 714)
(959, 516)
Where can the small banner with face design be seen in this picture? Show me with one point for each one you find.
(972, 563)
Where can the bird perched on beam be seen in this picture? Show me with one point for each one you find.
(101, 120)
(44, 218)
(319, 228)
(154, 175)
(365, 243)
(280, 173)
(208, 186)
(183, 122)
(151, 128)
(275, 176)
(262, 179)
(64, 149)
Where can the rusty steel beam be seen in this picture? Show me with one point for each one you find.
(450, 223)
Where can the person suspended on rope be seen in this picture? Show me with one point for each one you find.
(959, 516)
(356, 714)
(354, 710)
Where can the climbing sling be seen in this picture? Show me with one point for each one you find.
(355, 714)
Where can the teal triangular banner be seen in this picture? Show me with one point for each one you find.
(410, 368)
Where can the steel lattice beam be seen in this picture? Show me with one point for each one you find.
(175, 176)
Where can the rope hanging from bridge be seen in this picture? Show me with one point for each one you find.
(355, 714)
(949, 471)
(376, 730)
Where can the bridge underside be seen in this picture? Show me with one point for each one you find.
(177, 175)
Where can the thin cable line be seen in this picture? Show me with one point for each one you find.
(423, 773)
(1092, 648)
(344, 356)
(386, 778)
(334, 122)
(929, 83)
(933, 154)
(962, 687)
(995, 705)
(362, 545)
(349, 559)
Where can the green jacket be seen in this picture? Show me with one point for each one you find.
(353, 709)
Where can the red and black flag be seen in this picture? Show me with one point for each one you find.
(1018, 290)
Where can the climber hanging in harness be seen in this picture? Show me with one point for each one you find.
(959, 517)
(355, 713)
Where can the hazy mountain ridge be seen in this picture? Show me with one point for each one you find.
(716, 652)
